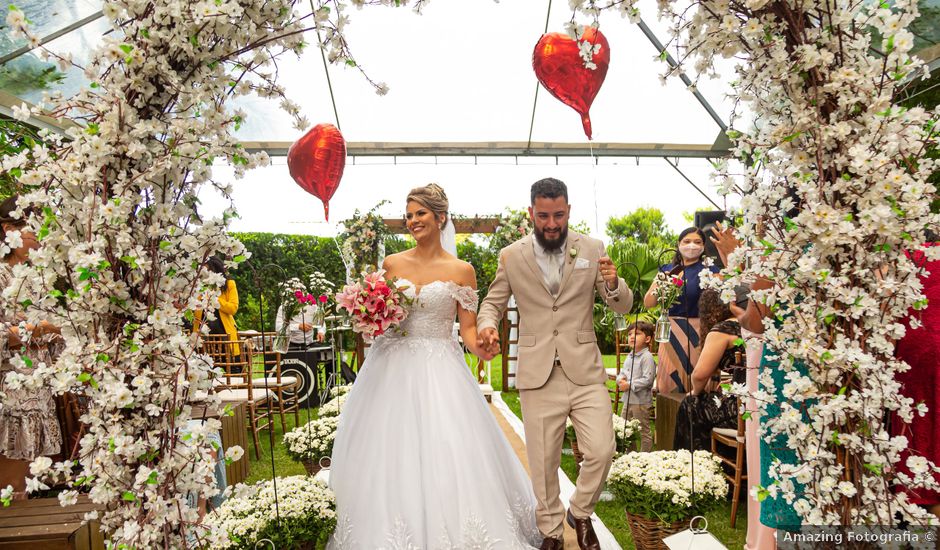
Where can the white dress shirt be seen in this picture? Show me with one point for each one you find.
(541, 258)
(305, 315)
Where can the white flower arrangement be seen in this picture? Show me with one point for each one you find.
(626, 433)
(123, 248)
(313, 440)
(306, 506)
(333, 407)
(659, 484)
(339, 390)
(362, 236)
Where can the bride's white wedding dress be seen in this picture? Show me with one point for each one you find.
(419, 462)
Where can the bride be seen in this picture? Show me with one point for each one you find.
(419, 462)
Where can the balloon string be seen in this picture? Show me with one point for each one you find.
(597, 223)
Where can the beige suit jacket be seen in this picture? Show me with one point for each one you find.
(550, 325)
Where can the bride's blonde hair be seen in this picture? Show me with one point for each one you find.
(432, 197)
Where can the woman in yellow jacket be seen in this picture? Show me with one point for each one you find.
(224, 323)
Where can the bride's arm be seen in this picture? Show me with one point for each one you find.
(468, 318)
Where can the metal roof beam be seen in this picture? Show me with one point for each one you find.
(50, 37)
(508, 149)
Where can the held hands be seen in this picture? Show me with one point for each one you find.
(488, 343)
(608, 271)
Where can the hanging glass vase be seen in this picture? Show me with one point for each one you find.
(663, 327)
(281, 341)
(620, 323)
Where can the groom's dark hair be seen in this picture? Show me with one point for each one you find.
(549, 188)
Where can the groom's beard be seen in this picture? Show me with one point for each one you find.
(554, 244)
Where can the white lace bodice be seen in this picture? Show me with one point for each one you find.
(434, 309)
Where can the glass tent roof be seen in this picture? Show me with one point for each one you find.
(455, 75)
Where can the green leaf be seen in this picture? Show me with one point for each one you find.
(111, 445)
(128, 496)
(93, 85)
(102, 358)
(152, 480)
(126, 48)
(826, 356)
(726, 387)
(92, 129)
(835, 438)
(791, 137)
(165, 244)
(920, 304)
(665, 55)
(239, 259)
(738, 342)
(762, 493)
(54, 293)
(828, 319)
(874, 468)
(130, 261)
(746, 415)
(842, 390)
(789, 224)
(350, 63)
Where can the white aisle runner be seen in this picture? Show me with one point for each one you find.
(604, 536)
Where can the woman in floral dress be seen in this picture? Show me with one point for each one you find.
(29, 427)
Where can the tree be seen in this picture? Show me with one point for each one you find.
(643, 225)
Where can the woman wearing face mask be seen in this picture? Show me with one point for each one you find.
(678, 356)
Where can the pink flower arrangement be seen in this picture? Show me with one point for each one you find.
(374, 303)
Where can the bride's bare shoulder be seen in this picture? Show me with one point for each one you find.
(463, 273)
(393, 263)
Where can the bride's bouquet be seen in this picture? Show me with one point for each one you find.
(375, 303)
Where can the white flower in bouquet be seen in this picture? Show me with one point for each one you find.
(659, 484)
(306, 506)
(313, 440)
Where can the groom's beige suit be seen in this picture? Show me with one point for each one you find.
(560, 372)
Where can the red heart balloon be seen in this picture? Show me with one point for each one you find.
(559, 67)
(316, 162)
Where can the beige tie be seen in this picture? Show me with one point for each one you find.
(554, 273)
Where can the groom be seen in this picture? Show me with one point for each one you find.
(553, 274)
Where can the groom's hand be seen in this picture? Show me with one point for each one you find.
(489, 338)
(608, 272)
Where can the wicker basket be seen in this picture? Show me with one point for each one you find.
(648, 534)
(313, 466)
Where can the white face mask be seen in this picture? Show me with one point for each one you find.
(691, 251)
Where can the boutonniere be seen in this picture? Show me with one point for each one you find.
(573, 253)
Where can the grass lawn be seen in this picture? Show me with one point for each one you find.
(611, 513)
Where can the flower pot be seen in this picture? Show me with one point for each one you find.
(648, 534)
(314, 466)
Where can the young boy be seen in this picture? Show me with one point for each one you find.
(636, 380)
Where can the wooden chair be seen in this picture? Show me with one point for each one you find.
(505, 329)
(734, 438)
(266, 374)
(235, 382)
